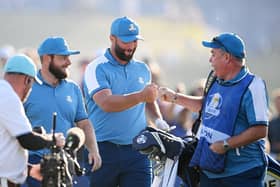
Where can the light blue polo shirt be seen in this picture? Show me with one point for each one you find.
(106, 73)
(65, 99)
(253, 111)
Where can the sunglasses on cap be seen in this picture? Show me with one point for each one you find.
(216, 39)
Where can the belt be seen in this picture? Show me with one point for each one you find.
(6, 183)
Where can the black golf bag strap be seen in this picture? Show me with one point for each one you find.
(209, 82)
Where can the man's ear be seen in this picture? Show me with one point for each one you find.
(47, 58)
(27, 80)
(228, 58)
(112, 38)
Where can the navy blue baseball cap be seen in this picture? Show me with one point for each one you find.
(229, 42)
(55, 46)
(125, 29)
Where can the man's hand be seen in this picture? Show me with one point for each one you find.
(35, 172)
(166, 94)
(94, 158)
(218, 147)
(59, 139)
(150, 93)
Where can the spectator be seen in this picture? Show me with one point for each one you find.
(274, 127)
(5, 53)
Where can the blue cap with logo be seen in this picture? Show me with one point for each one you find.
(229, 42)
(55, 46)
(21, 63)
(125, 29)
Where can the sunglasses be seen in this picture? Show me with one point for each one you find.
(216, 39)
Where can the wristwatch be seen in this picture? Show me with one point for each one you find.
(226, 146)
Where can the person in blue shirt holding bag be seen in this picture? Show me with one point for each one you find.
(230, 151)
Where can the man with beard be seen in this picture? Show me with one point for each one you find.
(117, 88)
(60, 95)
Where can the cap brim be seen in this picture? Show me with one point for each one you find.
(132, 38)
(70, 52)
(66, 53)
(211, 44)
(38, 80)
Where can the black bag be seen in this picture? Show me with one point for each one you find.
(190, 175)
(161, 145)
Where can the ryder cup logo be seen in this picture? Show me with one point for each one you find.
(141, 139)
(132, 27)
(69, 98)
(141, 80)
(213, 105)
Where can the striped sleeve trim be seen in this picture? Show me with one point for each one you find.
(259, 96)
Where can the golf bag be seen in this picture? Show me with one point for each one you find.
(170, 156)
(272, 178)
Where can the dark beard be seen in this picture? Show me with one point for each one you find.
(121, 55)
(56, 71)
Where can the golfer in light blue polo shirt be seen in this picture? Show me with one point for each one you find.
(117, 88)
(63, 97)
(59, 95)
